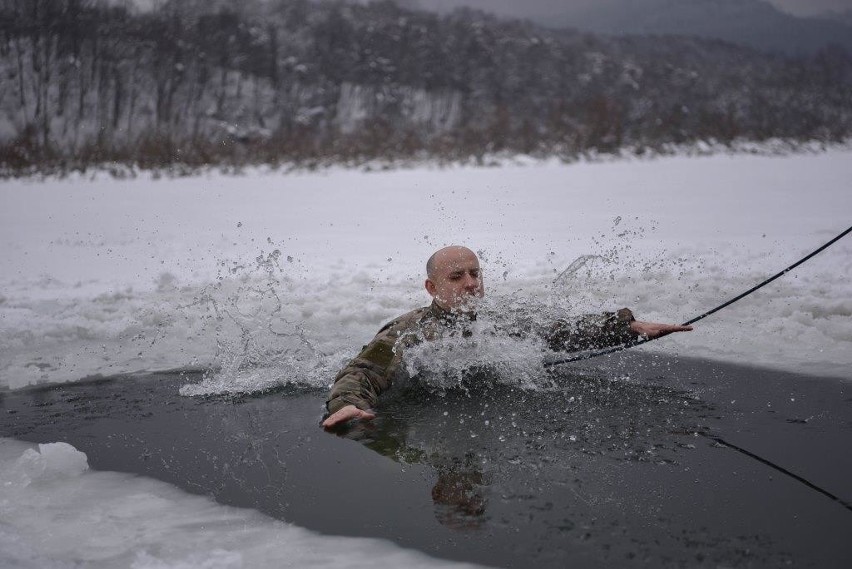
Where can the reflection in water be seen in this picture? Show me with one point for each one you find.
(589, 472)
(457, 493)
(486, 441)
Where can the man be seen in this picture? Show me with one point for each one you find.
(454, 281)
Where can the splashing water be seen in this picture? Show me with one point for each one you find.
(264, 340)
(505, 345)
(84, 295)
(484, 358)
(261, 344)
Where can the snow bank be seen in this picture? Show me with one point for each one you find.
(62, 515)
(274, 278)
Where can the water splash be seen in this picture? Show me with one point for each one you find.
(505, 346)
(261, 343)
(572, 271)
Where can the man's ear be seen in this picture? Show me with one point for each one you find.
(430, 287)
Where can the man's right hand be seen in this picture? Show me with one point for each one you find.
(345, 414)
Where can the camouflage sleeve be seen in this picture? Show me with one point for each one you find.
(369, 374)
(592, 331)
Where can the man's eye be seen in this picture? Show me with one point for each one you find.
(455, 277)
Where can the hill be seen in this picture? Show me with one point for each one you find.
(294, 80)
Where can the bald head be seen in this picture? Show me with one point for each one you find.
(453, 277)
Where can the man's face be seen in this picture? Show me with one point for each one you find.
(456, 279)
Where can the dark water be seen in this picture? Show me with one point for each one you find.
(599, 470)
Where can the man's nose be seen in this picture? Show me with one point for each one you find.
(471, 281)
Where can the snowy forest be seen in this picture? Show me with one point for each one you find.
(89, 83)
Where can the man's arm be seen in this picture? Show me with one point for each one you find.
(592, 331)
(653, 330)
(357, 387)
(347, 413)
(596, 331)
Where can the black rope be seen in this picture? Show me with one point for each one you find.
(603, 352)
(780, 469)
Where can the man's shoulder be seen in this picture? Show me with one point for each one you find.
(406, 320)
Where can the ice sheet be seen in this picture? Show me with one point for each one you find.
(64, 516)
(281, 277)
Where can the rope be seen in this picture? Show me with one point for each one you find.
(603, 352)
(780, 469)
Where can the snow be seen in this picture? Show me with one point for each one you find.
(51, 460)
(273, 277)
(282, 276)
(73, 517)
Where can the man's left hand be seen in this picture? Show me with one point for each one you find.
(345, 414)
(653, 330)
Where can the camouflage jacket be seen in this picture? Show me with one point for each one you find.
(373, 371)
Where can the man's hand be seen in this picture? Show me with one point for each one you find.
(345, 414)
(653, 330)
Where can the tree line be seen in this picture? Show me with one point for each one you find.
(193, 83)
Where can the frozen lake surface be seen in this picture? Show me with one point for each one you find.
(273, 280)
(106, 276)
(592, 472)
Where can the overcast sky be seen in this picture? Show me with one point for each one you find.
(809, 7)
(797, 7)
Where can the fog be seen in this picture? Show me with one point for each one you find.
(538, 8)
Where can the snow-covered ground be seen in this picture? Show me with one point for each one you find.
(57, 514)
(288, 274)
(275, 278)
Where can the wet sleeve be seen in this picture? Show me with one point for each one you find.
(368, 375)
(592, 331)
